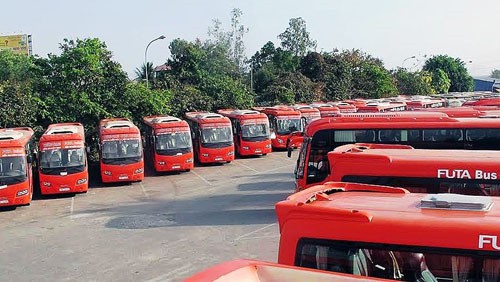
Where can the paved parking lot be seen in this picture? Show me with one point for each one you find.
(165, 228)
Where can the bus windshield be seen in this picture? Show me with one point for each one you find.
(255, 132)
(221, 135)
(287, 126)
(12, 170)
(173, 143)
(121, 151)
(62, 160)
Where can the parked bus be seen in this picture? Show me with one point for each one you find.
(422, 130)
(326, 110)
(344, 107)
(168, 145)
(283, 121)
(63, 159)
(417, 170)
(389, 233)
(425, 103)
(120, 151)
(382, 107)
(252, 136)
(249, 271)
(212, 137)
(16, 157)
(308, 113)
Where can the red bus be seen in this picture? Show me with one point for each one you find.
(63, 159)
(308, 113)
(426, 103)
(382, 107)
(417, 170)
(326, 110)
(422, 130)
(283, 121)
(251, 132)
(212, 137)
(483, 102)
(168, 143)
(344, 107)
(248, 271)
(16, 157)
(389, 233)
(120, 151)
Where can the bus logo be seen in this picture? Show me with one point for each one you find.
(488, 240)
(465, 174)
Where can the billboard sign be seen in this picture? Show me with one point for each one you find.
(19, 44)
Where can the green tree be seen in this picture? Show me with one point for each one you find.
(313, 66)
(495, 73)
(296, 38)
(455, 70)
(18, 75)
(140, 73)
(291, 88)
(82, 84)
(440, 81)
(373, 81)
(414, 83)
(231, 40)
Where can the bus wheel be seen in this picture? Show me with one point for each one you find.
(228, 162)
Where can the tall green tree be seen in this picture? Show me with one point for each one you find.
(455, 70)
(495, 73)
(140, 73)
(296, 38)
(414, 83)
(18, 101)
(440, 81)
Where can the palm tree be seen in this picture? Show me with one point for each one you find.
(141, 72)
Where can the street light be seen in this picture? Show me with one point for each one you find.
(146, 58)
(402, 65)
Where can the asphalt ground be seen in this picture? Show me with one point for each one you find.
(165, 228)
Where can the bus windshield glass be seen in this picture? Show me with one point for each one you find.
(288, 125)
(255, 132)
(173, 143)
(221, 135)
(59, 160)
(12, 170)
(121, 151)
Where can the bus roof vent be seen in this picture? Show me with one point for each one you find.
(62, 130)
(10, 135)
(209, 115)
(245, 112)
(456, 202)
(118, 124)
(165, 119)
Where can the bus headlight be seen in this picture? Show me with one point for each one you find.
(190, 160)
(268, 146)
(22, 192)
(161, 163)
(230, 153)
(280, 141)
(107, 172)
(245, 147)
(45, 183)
(205, 155)
(139, 170)
(81, 181)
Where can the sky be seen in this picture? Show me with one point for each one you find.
(392, 30)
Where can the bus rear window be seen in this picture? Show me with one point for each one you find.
(403, 263)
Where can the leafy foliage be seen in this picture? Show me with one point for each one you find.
(140, 73)
(454, 69)
(296, 38)
(414, 83)
(495, 73)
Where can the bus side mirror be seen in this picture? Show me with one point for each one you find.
(289, 152)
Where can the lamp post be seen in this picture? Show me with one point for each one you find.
(146, 58)
(402, 65)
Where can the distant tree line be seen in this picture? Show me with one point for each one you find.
(85, 84)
